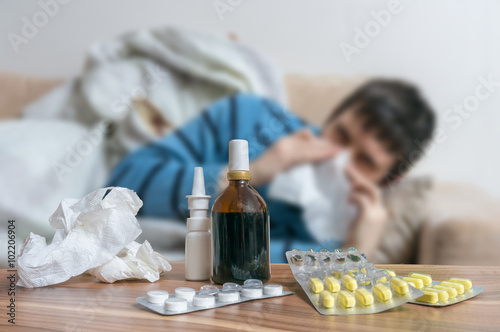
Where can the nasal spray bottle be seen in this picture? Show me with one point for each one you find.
(198, 259)
(240, 225)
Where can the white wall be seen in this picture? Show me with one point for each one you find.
(442, 45)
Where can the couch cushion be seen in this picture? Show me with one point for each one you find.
(462, 226)
(17, 91)
(314, 97)
(407, 204)
(468, 241)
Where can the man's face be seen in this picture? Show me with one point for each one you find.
(369, 155)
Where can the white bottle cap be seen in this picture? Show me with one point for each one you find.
(185, 293)
(273, 289)
(175, 304)
(228, 296)
(157, 296)
(238, 155)
(203, 300)
(251, 291)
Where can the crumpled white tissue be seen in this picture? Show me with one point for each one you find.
(322, 191)
(135, 261)
(90, 232)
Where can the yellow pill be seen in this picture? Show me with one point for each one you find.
(346, 299)
(332, 284)
(419, 283)
(382, 292)
(426, 278)
(429, 297)
(452, 292)
(391, 272)
(352, 273)
(383, 280)
(349, 282)
(443, 295)
(364, 270)
(466, 282)
(326, 299)
(337, 274)
(400, 286)
(316, 285)
(364, 297)
(459, 287)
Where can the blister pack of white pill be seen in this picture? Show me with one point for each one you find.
(185, 300)
(345, 283)
(442, 293)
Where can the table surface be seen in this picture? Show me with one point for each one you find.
(83, 304)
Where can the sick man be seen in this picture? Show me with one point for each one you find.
(384, 125)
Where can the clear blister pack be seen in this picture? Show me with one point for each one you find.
(442, 293)
(345, 283)
(185, 300)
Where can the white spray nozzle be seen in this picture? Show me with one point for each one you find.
(198, 201)
(198, 182)
(238, 155)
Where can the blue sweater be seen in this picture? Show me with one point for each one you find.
(162, 173)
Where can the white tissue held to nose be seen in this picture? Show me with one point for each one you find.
(322, 191)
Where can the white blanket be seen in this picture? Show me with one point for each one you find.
(179, 73)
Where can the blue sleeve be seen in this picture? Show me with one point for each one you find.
(262, 122)
(162, 173)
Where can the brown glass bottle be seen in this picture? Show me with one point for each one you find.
(240, 232)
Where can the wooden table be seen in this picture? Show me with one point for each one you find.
(84, 304)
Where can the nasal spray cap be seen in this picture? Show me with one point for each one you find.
(198, 203)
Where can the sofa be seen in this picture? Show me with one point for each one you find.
(431, 222)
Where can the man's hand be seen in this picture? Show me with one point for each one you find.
(367, 229)
(298, 148)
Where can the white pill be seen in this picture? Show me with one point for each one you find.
(157, 296)
(203, 300)
(228, 296)
(273, 289)
(253, 282)
(175, 304)
(185, 293)
(251, 292)
(209, 290)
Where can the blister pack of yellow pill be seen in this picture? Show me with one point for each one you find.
(442, 293)
(345, 283)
